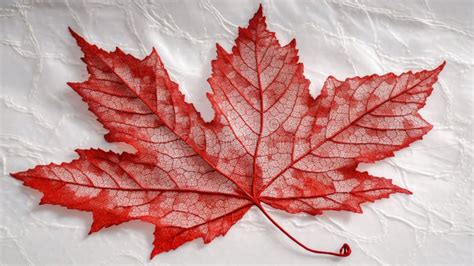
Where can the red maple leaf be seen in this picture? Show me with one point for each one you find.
(270, 143)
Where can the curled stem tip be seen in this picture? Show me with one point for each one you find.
(344, 251)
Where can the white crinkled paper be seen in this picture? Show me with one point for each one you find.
(43, 120)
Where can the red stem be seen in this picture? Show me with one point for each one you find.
(344, 251)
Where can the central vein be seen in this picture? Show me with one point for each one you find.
(260, 89)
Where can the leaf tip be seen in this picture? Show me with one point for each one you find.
(258, 15)
(81, 42)
(19, 175)
(153, 254)
(42, 201)
(73, 85)
(75, 35)
(440, 67)
(94, 228)
(14, 175)
(397, 189)
(260, 9)
(219, 48)
(404, 191)
(71, 31)
(292, 43)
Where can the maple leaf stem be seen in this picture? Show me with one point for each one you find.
(344, 251)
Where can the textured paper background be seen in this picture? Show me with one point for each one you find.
(43, 120)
